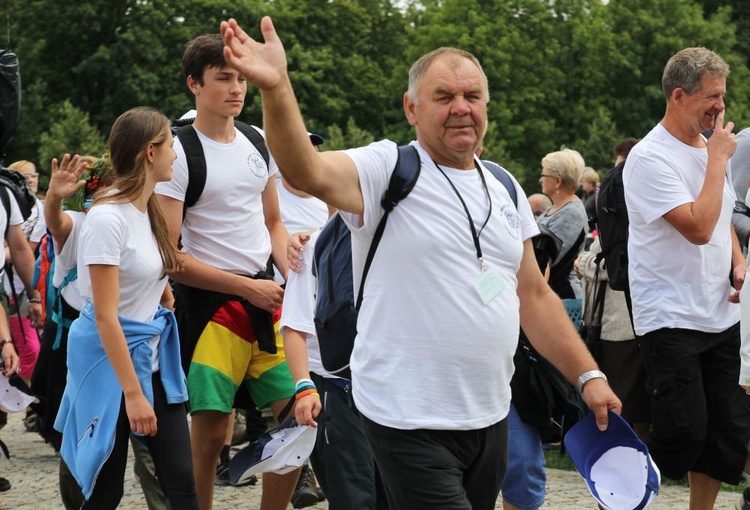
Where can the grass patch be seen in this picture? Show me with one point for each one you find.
(557, 461)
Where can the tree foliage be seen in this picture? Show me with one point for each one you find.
(578, 73)
(71, 131)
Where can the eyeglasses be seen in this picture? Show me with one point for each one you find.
(550, 176)
(31, 176)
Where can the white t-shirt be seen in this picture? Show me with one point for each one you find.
(673, 282)
(300, 214)
(120, 235)
(226, 227)
(15, 219)
(429, 353)
(298, 311)
(66, 259)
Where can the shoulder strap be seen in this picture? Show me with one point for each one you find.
(404, 177)
(5, 199)
(196, 165)
(502, 175)
(255, 138)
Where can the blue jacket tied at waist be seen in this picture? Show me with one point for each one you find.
(91, 402)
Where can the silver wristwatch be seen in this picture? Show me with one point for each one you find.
(587, 376)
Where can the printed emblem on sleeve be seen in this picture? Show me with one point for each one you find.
(257, 165)
(511, 220)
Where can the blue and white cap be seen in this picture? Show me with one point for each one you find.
(616, 464)
(279, 450)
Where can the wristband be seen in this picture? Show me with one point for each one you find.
(35, 300)
(305, 393)
(587, 376)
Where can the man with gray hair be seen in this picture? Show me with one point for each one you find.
(439, 321)
(680, 203)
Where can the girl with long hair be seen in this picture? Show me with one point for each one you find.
(124, 372)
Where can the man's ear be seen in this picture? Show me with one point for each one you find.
(409, 107)
(193, 85)
(678, 95)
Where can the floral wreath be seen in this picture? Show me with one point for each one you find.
(96, 176)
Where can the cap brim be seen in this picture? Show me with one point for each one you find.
(280, 450)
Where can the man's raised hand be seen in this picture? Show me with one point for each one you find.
(263, 63)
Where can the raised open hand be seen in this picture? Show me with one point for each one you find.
(263, 63)
(65, 180)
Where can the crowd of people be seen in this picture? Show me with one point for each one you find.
(182, 301)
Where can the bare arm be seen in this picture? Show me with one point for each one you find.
(64, 182)
(330, 176)
(167, 298)
(23, 262)
(264, 294)
(106, 291)
(295, 348)
(739, 267)
(696, 221)
(556, 339)
(276, 229)
(8, 351)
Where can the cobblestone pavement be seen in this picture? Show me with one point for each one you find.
(33, 475)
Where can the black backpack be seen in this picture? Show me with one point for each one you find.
(17, 185)
(10, 93)
(336, 309)
(196, 158)
(10, 109)
(612, 227)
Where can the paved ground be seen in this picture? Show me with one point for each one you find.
(33, 474)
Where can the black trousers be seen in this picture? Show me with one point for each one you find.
(170, 449)
(342, 458)
(446, 469)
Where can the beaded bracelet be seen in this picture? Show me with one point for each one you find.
(5, 341)
(35, 300)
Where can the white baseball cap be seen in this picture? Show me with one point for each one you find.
(616, 464)
(15, 394)
(279, 450)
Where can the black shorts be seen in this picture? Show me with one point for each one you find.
(700, 415)
(621, 361)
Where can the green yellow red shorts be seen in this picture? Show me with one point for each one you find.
(227, 355)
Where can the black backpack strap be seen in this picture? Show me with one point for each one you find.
(5, 199)
(196, 165)
(404, 177)
(255, 138)
(502, 175)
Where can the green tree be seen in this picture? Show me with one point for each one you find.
(337, 139)
(70, 131)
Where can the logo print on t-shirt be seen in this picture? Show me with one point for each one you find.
(257, 165)
(511, 220)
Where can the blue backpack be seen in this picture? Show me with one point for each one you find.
(52, 305)
(336, 309)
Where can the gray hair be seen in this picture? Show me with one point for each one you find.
(420, 67)
(566, 163)
(686, 69)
